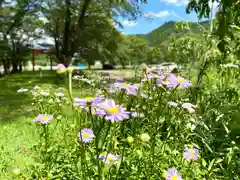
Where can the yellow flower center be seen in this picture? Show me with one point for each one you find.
(44, 118)
(191, 154)
(124, 84)
(191, 110)
(174, 178)
(85, 135)
(112, 110)
(89, 98)
(110, 159)
(180, 80)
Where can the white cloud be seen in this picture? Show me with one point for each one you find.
(176, 2)
(129, 23)
(159, 14)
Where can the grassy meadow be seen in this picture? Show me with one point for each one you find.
(157, 127)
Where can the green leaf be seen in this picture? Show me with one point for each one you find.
(219, 160)
(225, 127)
(211, 164)
(204, 163)
(236, 27)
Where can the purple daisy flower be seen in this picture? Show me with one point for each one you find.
(113, 111)
(174, 81)
(133, 89)
(88, 101)
(173, 104)
(153, 76)
(86, 135)
(129, 88)
(110, 158)
(188, 106)
(172, 174)
(96, 111)
(43, 118)
(191, 153)
(121, 85)
(160, 79)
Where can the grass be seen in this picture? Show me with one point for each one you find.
(17, 132)
(13, 105)
(159, 132)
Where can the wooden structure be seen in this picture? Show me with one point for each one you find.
(37, 51)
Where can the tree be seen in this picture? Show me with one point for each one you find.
(131, 51)
(228, 14)
(184, 50)
(154, 55)
(69, 22)
(17, 34)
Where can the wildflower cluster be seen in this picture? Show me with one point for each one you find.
(109, 126)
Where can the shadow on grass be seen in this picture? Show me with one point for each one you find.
(13, 104)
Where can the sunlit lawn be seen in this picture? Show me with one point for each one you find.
(17, 134)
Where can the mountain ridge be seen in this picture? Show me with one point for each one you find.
(167, 30)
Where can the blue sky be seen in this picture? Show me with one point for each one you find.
(161, 11)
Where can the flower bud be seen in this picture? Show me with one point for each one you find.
(70, 69)
(72, 125)
(144, 137)
(61, 69)
(139, 153)
(16, 171)
(130, 139)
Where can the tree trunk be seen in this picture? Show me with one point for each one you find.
(14, 66)
(5, 66)
(20, 67)
(51, 63)
(123, 64)
(69, 48)
(65, 60)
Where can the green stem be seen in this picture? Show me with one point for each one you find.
(45, 129)
(122, 155)
(105, 136)
(97, 146)
(70, 86)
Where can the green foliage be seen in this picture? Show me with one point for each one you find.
(18, 29)
(152, 139)
(227, 15)
(132, 51)
(168, 30)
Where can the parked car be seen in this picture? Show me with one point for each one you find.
(108, 66)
